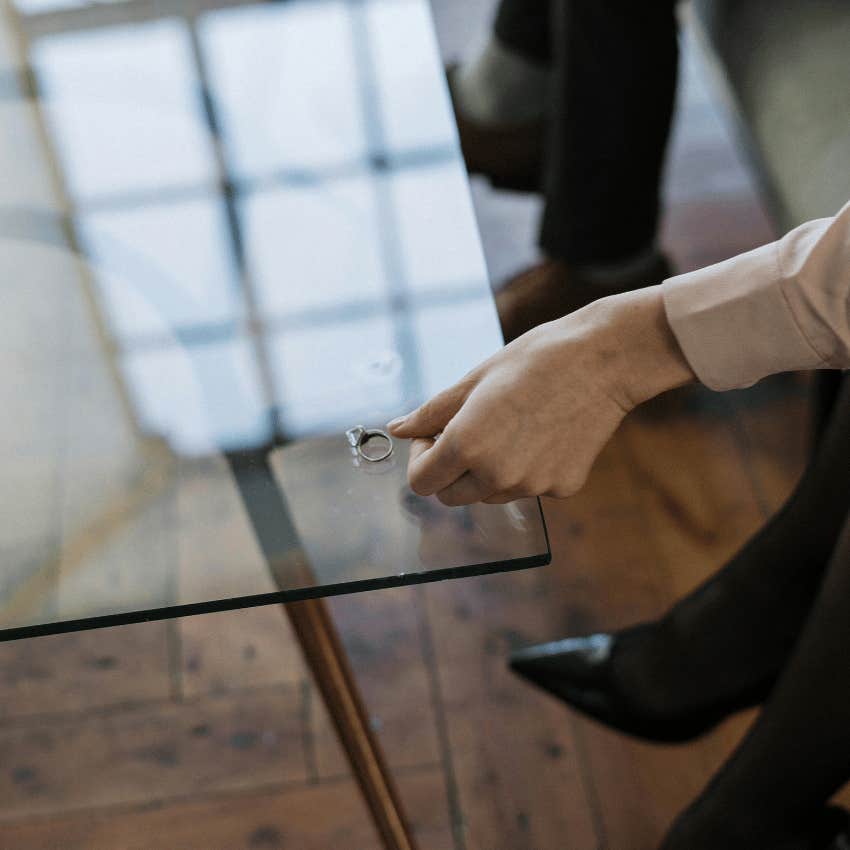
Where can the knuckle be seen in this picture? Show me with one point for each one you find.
(465, 450)
(504, 479)
(417, 484)
(568, 486)
(425, 410)
(535, 486)
(489, 476)
(542, 484)
(450, 500)
(463, 455)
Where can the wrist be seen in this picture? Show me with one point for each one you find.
(646, 357)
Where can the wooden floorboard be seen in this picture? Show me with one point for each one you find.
(381, 632)
(151, 753)
(514, 756)
(231, 651)
(83, 670)
(612, 572)
(307, 817)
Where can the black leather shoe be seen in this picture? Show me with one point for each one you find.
(578, 671)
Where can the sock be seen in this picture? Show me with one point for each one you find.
(500, 87)
(738, 628)
(772, 792)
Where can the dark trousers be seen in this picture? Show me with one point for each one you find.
(614, 65)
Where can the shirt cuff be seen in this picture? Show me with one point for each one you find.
(733, 322)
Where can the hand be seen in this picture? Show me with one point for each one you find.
(532, 419)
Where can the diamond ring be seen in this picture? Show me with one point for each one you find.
(360, 437)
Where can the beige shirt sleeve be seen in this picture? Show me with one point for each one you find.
(780, 308)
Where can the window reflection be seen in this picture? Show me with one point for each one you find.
(201, 399)
(33, 7)
(307, 287)
(163, 267)
(285, 82)
(226, 229)
(122, 107)
(314, 246)
(436, 228)
(474, 331)
(331, 376)
(414, 104)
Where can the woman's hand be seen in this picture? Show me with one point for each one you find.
(532, 419)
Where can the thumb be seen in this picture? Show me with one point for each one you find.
(433, 416)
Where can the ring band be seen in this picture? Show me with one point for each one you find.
(359, 436)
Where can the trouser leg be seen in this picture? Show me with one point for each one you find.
(615, 70)
(525, 27)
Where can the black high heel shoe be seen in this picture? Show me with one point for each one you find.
(579, 672)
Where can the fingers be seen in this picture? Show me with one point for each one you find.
(507, 496)
(418, 446)
(465, 491)
(433, 465)
(433, 416)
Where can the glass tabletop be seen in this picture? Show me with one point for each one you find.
(228, 233)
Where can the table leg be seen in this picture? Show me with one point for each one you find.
(328, 662)
(289, 567)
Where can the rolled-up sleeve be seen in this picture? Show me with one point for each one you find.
(782, 307)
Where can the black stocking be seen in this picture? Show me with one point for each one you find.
(736, 630)
(771, 793)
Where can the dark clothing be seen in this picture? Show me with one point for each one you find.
(615, 68)
(524, 26)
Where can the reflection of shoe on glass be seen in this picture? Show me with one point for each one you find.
(554, 288)
(509, 154)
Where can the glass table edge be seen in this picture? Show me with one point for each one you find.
(103, 621)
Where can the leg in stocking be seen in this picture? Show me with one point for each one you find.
(722, 646)
(738, 628)
(771, 793)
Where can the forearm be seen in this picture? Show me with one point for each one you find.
(634, 351)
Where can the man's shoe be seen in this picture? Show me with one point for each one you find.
(510, 157)
(552, 289)
(579, 672)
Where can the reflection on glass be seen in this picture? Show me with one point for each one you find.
(285, 81)
(229, 283)
(33, 7)
(436, 227)
(472, 325)
(315, 246)
(415, 107)
(123, 110)
(162, 267)
(326, 376)
(200, 399)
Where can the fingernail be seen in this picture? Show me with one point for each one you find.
(396, 422)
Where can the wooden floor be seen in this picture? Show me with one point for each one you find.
(207, 734)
